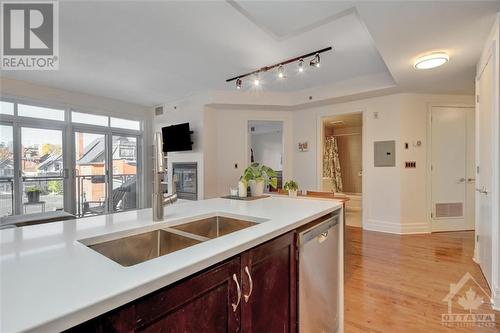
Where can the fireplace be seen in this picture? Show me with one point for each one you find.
(185, 176)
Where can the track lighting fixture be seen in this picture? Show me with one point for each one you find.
(281, 71)
(315, 61)
(301, 65)
(281, 67)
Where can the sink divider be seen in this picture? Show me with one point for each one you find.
(186, 234)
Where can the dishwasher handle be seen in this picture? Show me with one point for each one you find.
(320, 229)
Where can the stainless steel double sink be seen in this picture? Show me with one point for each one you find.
(134, 249)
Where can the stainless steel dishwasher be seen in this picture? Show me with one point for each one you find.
(319, 276)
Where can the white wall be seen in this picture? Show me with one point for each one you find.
(394, 199)
(43, 95)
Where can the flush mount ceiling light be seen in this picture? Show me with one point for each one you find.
(432, 60)
(280, 67)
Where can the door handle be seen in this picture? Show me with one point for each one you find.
(461, 180)
(470, 180)
(235, 306)
(482, 190)
(247, 297)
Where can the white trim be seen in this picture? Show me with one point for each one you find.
(396, 227)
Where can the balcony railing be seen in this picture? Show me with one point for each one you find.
(92, 193)
(6, 196)
(87, 204)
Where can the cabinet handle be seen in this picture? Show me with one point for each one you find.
(235, 306)
(247, 297)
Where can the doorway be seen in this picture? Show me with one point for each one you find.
(452, 167)
(105, 172)
(266, 145)
(342, 161)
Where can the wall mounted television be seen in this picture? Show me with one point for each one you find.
(177, 138)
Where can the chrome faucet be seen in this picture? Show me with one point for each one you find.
(159, 200)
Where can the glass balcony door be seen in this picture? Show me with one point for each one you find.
(106, 172)
(91, 175)
(42, 176)
(124, 173)
(6, 170)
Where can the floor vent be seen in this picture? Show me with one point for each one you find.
(452, 209)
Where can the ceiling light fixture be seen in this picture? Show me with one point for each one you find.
(315, 61)
(301, 65)
(280, 66)
(238, 84)
(281, 71)
(432, 60)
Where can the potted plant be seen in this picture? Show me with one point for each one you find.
(33, 194)
(258, 176)
(292, 187)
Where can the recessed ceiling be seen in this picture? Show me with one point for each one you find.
(284, 20)
(152, 52)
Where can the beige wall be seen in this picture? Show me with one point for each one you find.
(394, 199)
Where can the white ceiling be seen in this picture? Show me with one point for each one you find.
(155, 52)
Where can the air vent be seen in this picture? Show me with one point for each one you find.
(452, 209)
(158, 110)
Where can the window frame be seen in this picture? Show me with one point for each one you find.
(68, 129)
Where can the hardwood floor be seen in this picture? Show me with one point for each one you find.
(397, 283)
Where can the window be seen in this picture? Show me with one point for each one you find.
(6, 108)
(125, 123)
(90, 119)
(39, 112)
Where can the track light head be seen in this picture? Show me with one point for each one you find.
(238, 84)
(315, 61)
(281, 72)
(301, 65)
(256, 81)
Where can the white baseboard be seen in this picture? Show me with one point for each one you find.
(396, 228)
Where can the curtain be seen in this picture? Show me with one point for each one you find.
(331, 163)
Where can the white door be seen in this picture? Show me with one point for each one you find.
(484, 162)
(452, 167)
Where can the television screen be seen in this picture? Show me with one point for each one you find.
(177, 138)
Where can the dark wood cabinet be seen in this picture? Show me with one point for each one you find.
(268, 274)
(202, 303)
(252, 292)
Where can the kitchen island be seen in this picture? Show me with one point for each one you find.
(51, 280)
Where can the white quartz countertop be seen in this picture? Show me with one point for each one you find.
(50, 281)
